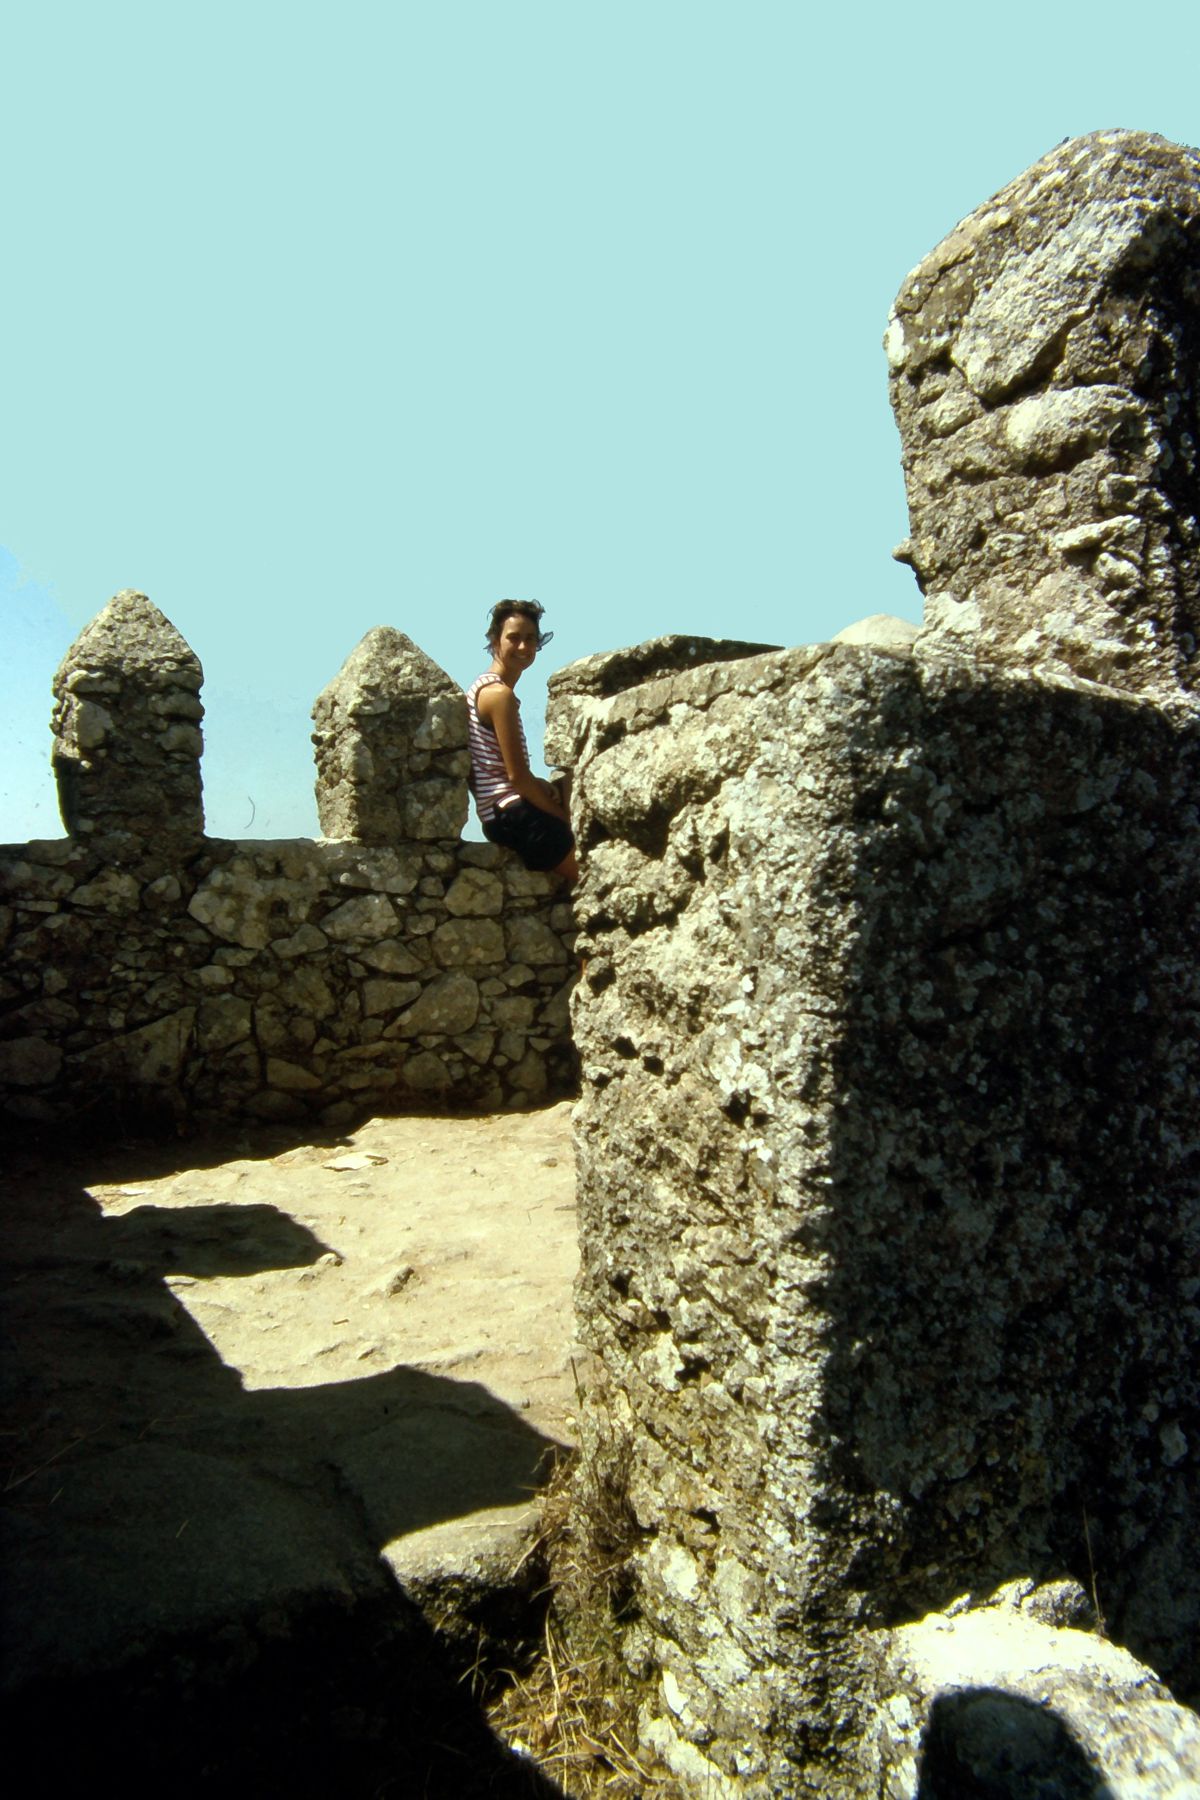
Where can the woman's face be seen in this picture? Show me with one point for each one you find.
(516, 646)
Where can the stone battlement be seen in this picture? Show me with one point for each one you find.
(888, 1031)
(150, 970)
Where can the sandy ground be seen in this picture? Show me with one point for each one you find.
(240, 1373)
(447, 1244)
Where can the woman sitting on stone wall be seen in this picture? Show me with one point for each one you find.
(516, 808)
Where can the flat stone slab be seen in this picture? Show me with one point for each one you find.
(255, 1376)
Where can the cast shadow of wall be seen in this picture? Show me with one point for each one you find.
(192, 1570)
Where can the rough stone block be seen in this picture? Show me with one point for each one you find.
(390, 739)
(369, 918)
(126, 764)
(239, 902)
(1043, 368)
(890, 1055)
(29, 1061)
(450, 1005)
(388, 996)
(468, 942)
(530, 940)
(476, 893)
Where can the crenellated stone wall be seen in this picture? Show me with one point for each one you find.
(891, 1071)
(889, 1031)
(150, 971)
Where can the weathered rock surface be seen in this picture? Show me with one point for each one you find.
(391, 746)
(282, 980)
(126, 726)
(1044, 362)
(573, 690)
(881, 631)
(889, 1056)
(1008, 1700)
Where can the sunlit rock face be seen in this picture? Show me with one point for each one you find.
(126, 726)
(1044, 365)
(888, 1032)
(391, 746)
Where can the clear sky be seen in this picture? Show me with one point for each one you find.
(324, 317)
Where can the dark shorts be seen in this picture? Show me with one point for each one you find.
(539, 839)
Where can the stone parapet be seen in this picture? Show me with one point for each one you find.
(889, 1054)
(151, 972)
(286, 980)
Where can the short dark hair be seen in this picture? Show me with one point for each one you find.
(524, 609)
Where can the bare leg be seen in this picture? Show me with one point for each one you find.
(568, 868)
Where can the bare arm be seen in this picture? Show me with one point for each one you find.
(497, 704)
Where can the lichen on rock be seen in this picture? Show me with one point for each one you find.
(1043, 371)
(888, 1034)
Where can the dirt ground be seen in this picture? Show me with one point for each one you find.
(261, 1379)
(445, 1244)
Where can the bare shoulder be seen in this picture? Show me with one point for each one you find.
(496, 700)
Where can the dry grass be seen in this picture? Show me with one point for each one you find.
(575, 1710)
(576, 1733)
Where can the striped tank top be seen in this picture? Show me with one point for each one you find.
(489, 778)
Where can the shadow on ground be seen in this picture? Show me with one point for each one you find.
(193, 1595)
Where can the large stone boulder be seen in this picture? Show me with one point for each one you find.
(1044, 375)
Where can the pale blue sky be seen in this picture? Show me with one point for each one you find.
(320, 317)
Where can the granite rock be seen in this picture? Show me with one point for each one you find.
(390, 739)
(126, 738)
(889, 1045)
(1043, 370)
(1010, 1699)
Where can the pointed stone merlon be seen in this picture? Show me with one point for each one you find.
(126, 725)
(391, 746)
(1044, 372)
